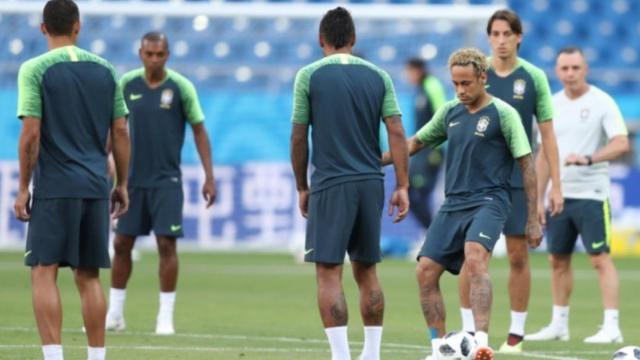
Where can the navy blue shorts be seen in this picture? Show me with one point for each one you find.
(591, 219)
(517, 220)
(69, 232)
(345, 218)
(157, 209)
(450, 230)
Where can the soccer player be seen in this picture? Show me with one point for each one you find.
(69, 100)
(484, 136)
(425, 166)
(161, 102)
(524, 87)
(343, 99)
(591, 132)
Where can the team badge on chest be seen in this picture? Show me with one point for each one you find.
(483, 124)
(519, 87)
(166, 98)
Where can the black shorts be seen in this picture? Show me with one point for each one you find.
(345, 218)
(591, 219)
(450, 230)
(69, 232)
(157, 209)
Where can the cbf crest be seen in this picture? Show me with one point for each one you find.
(519, 88)
(166, 98)
(482, 125)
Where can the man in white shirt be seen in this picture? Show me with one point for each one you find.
(590, 132)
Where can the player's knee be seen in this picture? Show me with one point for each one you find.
(519, 261)
(426, 272)
(167, 248)
(122, 247)
(559, 263)
(476, 265)
(600, 261)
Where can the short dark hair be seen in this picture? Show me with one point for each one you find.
(510, 17)
(418, 64)
(59, 16)
(153, 36)
(337, 28)
(570, 50)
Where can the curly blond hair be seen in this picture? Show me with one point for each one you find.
(470, 56)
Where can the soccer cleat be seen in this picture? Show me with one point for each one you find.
(164, 326)
(483, 353)
(605, 336)
(510, 349)
(550, 332)
(115, 323)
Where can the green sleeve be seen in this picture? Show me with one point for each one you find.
(544, 105)
(29, 92)
(513, 130)
(389, 103)
(434, 132)
(435, 92)
(119, 106)
(190, 102)
(301, 107)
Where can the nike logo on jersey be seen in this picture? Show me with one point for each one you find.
(484, 236)
(307, 252)
(175, 228)
(134, 97)
(454, 124)
(597, 245)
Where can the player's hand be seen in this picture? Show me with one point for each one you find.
(533, 231)
(119, 201)
(22, 206)
(542, 215)
(303, 202)
(386, 159)
(399, 200)
(575, 159)
(209, 191)
(556, 201)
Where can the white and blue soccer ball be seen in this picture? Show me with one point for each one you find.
(457, 345)
(627, 353)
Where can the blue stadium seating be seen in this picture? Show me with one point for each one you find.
(211, 50)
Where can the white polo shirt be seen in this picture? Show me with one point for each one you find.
(582, 126)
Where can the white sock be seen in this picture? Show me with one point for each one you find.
(468, 322)
(372, 341)
(167, 300)
(339, 342)
(116, 302)
(517, 323)
(482, 338)
(96, 353)
(52, 352)
(611, 319)
(435, 344)
(560, 317)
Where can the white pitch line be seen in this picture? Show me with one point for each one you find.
(200, 348)
(395, 347)
(224, 337)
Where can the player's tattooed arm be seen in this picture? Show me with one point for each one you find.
(28, 148)
(299, 163)
(533, 230)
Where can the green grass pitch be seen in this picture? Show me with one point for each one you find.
(262, 306)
